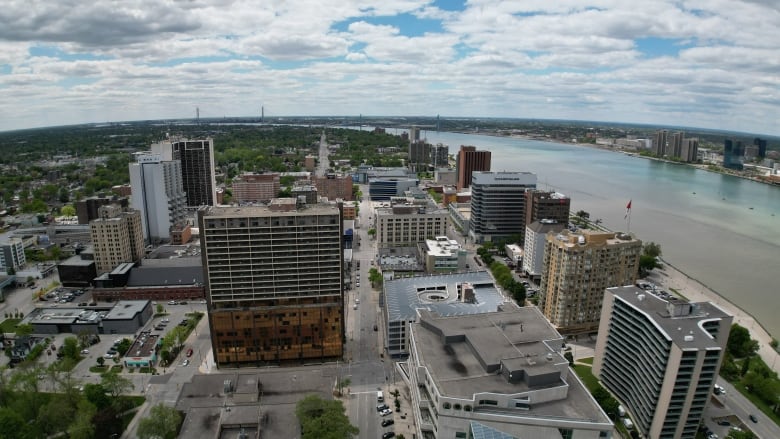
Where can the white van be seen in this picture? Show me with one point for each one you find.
(627, 422)
(380, 397)
(621, 411)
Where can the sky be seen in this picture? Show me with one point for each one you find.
(698, 63)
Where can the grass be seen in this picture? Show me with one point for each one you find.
(586, 375)
(98, 369)
(9, 325)
(588, 360)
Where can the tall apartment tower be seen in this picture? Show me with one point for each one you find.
(535, 244)
(468, 161)
(498, 205)
(674, 148)
(660, 358)
(158, 193)
(117, 236)
(577, 268)
(659, 143)
(690, 150)
(274, 282)
(197, 170)
(542, 205)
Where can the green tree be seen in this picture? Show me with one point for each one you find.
(652, 249)
(11, 423)
(372, 232)
(25, 329)
(321, 419)
(569, 357)
(734, 434)
(740, 344)
(646, 264)
(70, 348)
(115, 384)
(68, 210)
(162, 423)
(96, 394)
(101, 361)
(82, 426)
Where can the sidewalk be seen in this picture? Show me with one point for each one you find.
(669, 277)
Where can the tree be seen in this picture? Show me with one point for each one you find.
(740, 344)
(115, 384)
(569, 357)
(101, 361)
(372, 232)
(652, 249)
(96, 394)
(582, 214)
(162, 423)
(25, 329)
(68, 210)
(82, 426)
(70, 348)
(646, 264)
(342, 384)
(734, 434)
(321, 419)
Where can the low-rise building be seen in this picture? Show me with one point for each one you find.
(442, 255)
(409, 222)
(500, 373)
(143, 351)
(460, 214)
(77, 271)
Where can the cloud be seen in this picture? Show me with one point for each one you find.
(712, 63)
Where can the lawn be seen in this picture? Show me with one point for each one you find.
(9, 325)
(586, 375)
(588, 360)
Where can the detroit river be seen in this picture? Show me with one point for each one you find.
(721, 230)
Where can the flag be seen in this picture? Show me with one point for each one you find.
(628, 209)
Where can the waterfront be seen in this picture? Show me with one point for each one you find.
(719, 229)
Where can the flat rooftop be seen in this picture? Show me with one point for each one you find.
(126, 309)
(143, 346)
(520, 338)
(678, 319)
(53, 316)
(167, 272)
(405, 296)
(76, 261)
(260, 211)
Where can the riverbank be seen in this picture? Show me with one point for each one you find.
(670, 278)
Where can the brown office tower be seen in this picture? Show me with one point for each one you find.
(117, 236)
(274, 282)
(541, 205)
(468, 161)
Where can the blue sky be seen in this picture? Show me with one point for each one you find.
(706, 63)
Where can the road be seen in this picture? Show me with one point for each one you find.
(739, 406)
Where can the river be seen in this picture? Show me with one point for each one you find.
(721, 230)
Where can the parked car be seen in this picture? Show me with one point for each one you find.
(85, 352)
(189, 352)
(724, 423)
(385, 412)
(387, 422)
(165, 320)
(388, 435)
(380, 407)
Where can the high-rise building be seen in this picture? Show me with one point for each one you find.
(761, 144)
(117, 237)
(659, 142)
(690, 150)
(674, 148)
(274, 282)
(255, 188)
(535, 244)
(158, 193)
(660, 358)
(197, 170)
(733, 154)
(468, 161)
(498, 205)
(578, 267)
(542, 205)
(12, 255)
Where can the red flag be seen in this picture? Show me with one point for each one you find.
(628, 209)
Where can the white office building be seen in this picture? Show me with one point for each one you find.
(158, 192)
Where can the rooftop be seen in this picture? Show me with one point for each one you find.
(143, 346)
(405, 296)
(126, 309)
(442, 246)
(62, 316)
(678, 319)
(167, 272)
(76, 261)
(259, 211)
(466, 354)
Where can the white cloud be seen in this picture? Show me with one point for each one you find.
(708, 62)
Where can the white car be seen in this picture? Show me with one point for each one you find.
(85, 352)
(185, 363)
(357, 300)
(385, 412)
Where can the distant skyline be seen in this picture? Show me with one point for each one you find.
(699, 63)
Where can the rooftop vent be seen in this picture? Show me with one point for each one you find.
(688, 338)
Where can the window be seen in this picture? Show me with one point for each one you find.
(487, 402)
